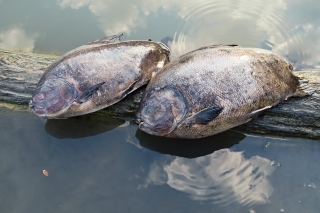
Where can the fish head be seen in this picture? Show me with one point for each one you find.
(52, 97)
(161, 111)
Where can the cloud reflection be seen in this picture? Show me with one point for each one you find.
(124, 16)
(16, 38)
(271, 25)
(309, 54)
(224, 177)
(113, 16)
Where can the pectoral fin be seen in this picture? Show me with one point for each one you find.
(215, 46)
(259, 111)
(88, 93)
(107, 39)
(207, 115)
(130, 88)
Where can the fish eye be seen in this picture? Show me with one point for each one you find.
(149, 110)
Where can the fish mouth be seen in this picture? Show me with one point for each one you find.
(138, 121)
(37, 108)
(31, 105)
(39, 111)
(145, 128)
(148, 129)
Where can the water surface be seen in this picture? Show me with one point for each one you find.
(290, 28)
(107, 165)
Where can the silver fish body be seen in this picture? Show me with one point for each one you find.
(213, 89)
(96, 75)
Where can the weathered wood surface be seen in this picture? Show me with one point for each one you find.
(297, 117)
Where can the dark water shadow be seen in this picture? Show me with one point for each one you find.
(189, 148)
(81, 126)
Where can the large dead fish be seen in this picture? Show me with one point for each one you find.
(213, 89)
(96, 75)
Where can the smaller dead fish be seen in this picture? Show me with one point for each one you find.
(214, 88)
(96, 75)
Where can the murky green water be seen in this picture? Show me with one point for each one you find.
(99, 164)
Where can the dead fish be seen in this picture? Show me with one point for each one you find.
(214, 88)
(96, 75)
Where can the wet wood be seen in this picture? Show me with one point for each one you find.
(297, 117)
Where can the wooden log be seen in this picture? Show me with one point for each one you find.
(297, 117)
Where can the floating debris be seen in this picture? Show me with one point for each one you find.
(279, 164)
(281, 210)
(252, 211)
(272, 163)
(45, 173)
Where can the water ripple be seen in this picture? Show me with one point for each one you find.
(247, 23)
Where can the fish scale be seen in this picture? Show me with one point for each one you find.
(97, 75)
(217, 88)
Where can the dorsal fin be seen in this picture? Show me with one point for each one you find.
(167, 41)
(217, 46)
(107, 40)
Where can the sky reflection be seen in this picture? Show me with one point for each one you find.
(288, 27)
(274, 25)
(224, 177)
(16, 38)
(102, 169)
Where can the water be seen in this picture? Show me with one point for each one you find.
(290, 28)
(99, 164)
(107, 165)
